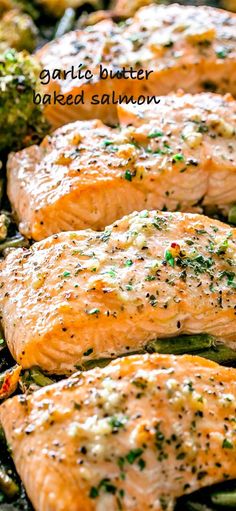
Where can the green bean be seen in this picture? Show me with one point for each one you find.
(197, 506)
(1, 187)
(39, 378)
(225, 499)
(7, 485)
(203, 345)
(2, 436)
(15, 242)
(2, 344)
(66, 22)
(90, 364)
(221, 354)
(232, 215)
(181, 345)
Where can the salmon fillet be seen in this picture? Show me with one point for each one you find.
(180, 155)
(81, 296)
(133, 436)
(186, 47)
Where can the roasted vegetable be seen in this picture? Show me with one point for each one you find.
(9, 238)
(7, 485)
(197, 506)
(22, 122)
(8, 384)
(4, 224)
(203, 345)
(225, 499)
(29, 7)
(66, 22)
(17, 30)
(1, 187)
(16, 241)
(33, 379)
(232, 215)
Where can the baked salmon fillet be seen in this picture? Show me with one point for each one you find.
(81, 296)
(180, 155)
(133, 436)
(187, 47)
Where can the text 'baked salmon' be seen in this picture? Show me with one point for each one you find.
(187, 47)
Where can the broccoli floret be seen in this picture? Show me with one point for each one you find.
(17, 30)
(22, 5)
(4, 224)
(22, 122)
(27, 6)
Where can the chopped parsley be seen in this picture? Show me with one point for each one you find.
(222, 53)
(230, 275)
(106, 143)
(141, 464)
(160, 223)
(133, 455)
(177, 157)
(104, 484)
(93, 494)
(94, 311)
(117, 422)
(105, 236)
(226, 444)
(169, 258)
(129, 262)
(66, 274)
(155, 134)
(129, 175)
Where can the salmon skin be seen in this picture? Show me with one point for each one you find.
(187, 47)
(133, 436)
(77, 297)
(180, 155)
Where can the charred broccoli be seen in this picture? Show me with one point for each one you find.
(27, 6)
(22, 122)
(17, 30)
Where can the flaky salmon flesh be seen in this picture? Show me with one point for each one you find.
(81, 296)
(187, 47)
(180, 155)
(133, 436)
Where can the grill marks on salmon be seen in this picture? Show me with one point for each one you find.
(180, 155)
(81, 296)
(187, 47)
(133, 436)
